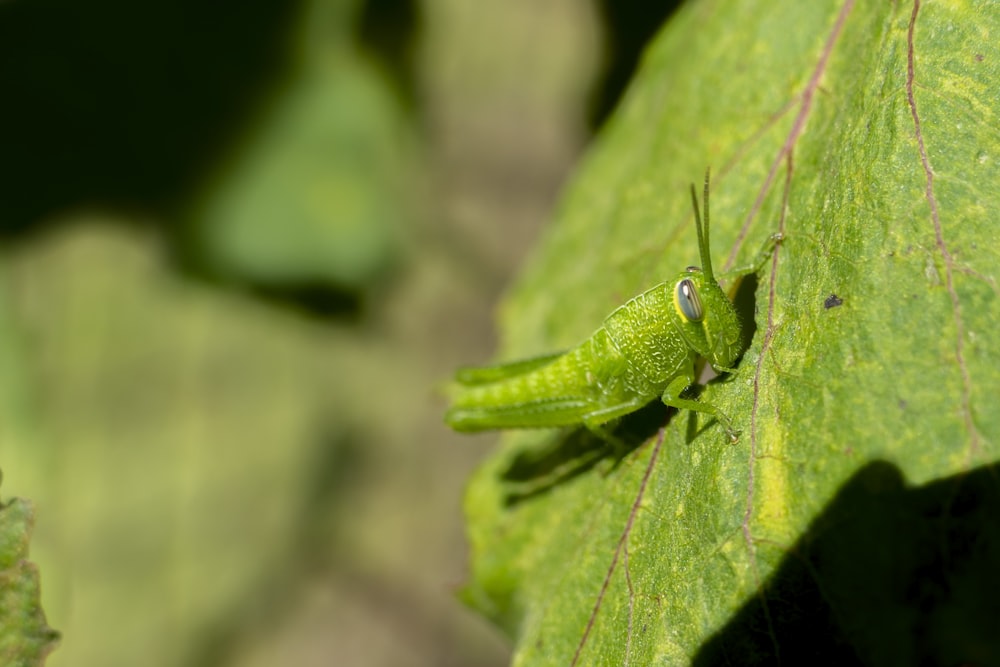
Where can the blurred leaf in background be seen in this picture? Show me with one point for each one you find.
(320, 192)
(218, 479)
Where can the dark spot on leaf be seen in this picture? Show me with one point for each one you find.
(832, 301)
(979, 57)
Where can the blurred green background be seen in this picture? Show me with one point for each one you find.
(242, 244)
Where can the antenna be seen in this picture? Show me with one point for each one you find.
(703, 244)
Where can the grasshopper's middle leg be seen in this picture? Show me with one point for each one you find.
(596, 421)
(671, 397)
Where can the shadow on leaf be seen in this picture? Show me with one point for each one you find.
(887, 575)
(538, 470)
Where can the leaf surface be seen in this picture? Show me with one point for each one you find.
(25, 637)
(866, 133)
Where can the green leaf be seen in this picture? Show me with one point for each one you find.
(318, 192)
(25, 638)
(854, 513)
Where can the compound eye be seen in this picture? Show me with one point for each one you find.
(688, 301)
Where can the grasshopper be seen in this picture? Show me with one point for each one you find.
(646, 349)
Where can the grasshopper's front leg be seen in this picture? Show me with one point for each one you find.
(758, 263)
(671, 397)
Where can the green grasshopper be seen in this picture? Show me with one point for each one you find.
(645, 349)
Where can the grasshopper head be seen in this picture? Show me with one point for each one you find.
(706, 317)
(708, 321)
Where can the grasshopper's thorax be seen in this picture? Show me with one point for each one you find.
(706, 318)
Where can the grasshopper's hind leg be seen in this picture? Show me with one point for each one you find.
(484, 416)
(478, 375)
